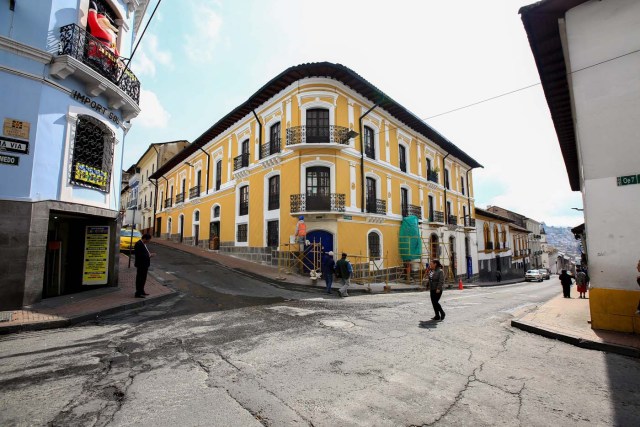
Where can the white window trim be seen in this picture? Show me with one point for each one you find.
(273, 214)
(303, 174)
(407, 156)
(214, 218)
(378, 183)
(317, 104)
(235, 234)
(376, 138)
(381, 237)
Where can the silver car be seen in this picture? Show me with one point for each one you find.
(532, 275)
(546, 275)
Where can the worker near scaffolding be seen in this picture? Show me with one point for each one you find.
(301, 232)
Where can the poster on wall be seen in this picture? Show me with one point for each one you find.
(95, 269)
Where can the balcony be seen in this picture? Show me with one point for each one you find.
(377, 206)
(271, 147)
(180, 198)
(436, 217)
(469, 222)
(88, 59)
(194, 192)
(452, 219)
(168, 203)
(409, 210)
(317, 202)
(241, 161)
(329, 136)
(432, 176)
(133, 204)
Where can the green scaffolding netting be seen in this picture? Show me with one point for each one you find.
(409, 243)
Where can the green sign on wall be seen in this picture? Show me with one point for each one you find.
(628, 180)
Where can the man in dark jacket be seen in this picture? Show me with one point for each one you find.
(344, 271)
(565, 280)
(328, 266)
(142, 263)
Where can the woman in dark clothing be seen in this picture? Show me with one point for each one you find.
(436, 282)
(565, 280)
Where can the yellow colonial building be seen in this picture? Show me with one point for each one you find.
(319, 141)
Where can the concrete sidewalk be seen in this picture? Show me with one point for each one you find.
(568, 320)
(70, 309)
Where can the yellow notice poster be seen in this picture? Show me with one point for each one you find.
(96, 255)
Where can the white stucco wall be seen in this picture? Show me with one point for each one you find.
(607, 111)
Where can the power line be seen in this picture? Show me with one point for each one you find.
(516, 90)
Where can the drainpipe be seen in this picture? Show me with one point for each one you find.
(208, 160)
(444, 176)
(362, 183)
(259, 132)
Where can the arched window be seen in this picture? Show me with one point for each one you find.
(92, 154)
(487, 236)
(374, 245)
(216, 212)
(496, 236)
(196, 216)
(434, 247)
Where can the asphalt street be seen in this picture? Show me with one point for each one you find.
(232, 350)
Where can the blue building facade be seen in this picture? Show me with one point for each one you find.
(68, 96)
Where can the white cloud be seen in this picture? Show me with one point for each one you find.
(153, 114)
(145, 62)
(200, 44)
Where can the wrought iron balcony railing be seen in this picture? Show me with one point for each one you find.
(453, 220)
(271, 147)
(469, 222)
(432, 176)
(317, 202)
(168, 203)
(317, 135)
(377, 206)
(241, 161)
(414, 210)
(436, 216)
(133, 204)
(180, 198)
(194, 192)
(79, 44)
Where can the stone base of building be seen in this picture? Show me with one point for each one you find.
(42, 249)
(614, 309)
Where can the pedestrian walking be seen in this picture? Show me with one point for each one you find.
(581, 283)
(498, 276)
(436, 283)
(328, 268)
(142, 263)
(565, 281)
(344, 271)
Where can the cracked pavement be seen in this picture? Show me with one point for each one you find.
(293, 357)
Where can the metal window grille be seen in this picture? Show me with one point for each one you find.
(374, 246)
(92, 154)
(241, 235)
(272, 233)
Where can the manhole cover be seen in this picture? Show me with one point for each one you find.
(5, 316)
(337, 324)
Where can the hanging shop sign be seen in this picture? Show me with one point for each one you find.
(16, 128)
(96, 255)
(14, 145)
(91, 175)
(94, 105)
(9, 160)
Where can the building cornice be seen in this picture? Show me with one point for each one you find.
(25, 50)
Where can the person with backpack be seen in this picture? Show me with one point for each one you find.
(344, 271)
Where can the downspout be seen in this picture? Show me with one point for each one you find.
(362, 183)
(444, 176)
(259, 132)
(208, 160)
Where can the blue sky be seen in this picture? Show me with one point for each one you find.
(201, 58)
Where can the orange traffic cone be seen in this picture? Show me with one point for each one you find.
(460, 286)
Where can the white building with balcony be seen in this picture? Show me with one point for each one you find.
(67, 100)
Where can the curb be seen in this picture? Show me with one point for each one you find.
(575, 340)
(63, 323)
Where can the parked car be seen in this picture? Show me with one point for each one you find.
(532, 275)
(126, 241)
(546, 275)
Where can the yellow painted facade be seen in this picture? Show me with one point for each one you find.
(614, 309)
(330, 162)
